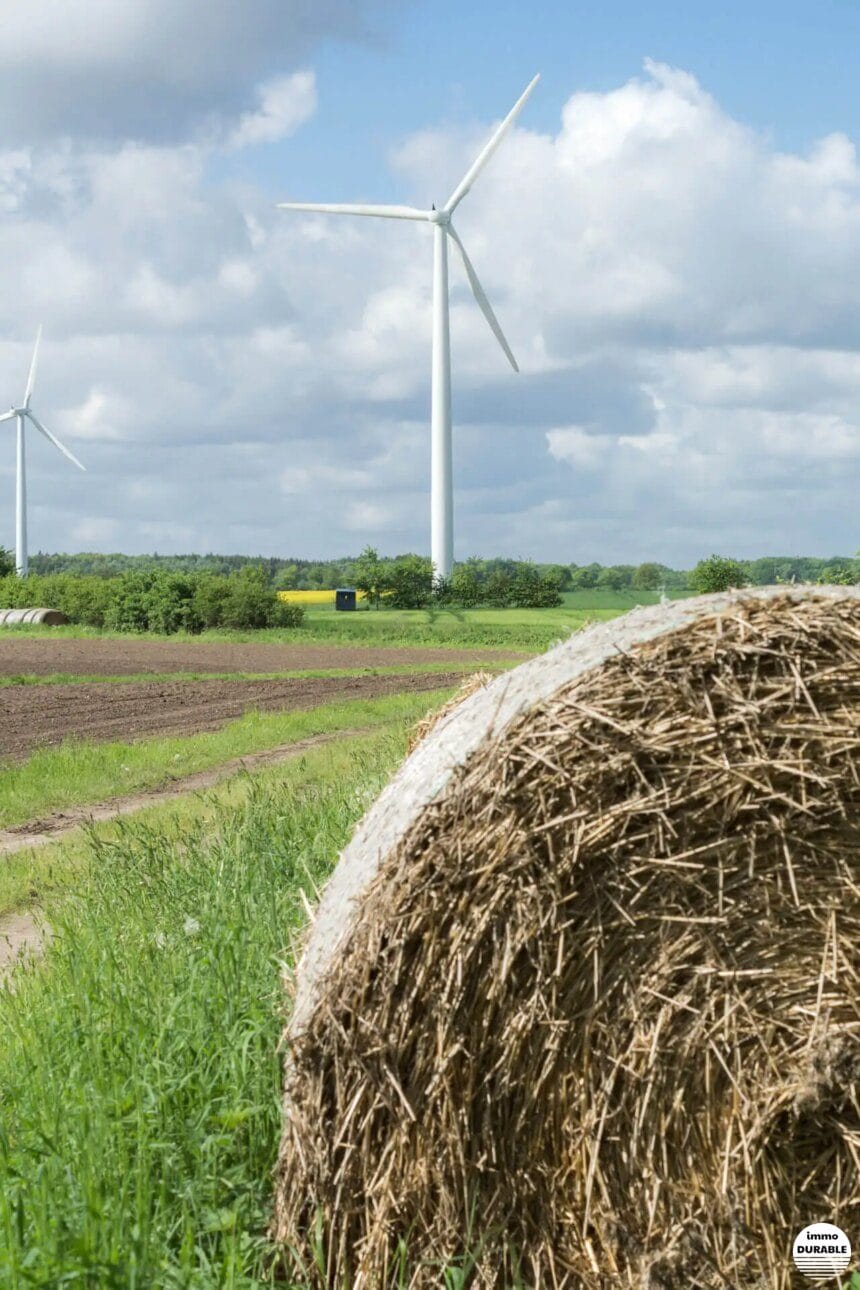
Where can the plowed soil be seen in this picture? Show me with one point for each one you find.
(102, 657)
(36, 716)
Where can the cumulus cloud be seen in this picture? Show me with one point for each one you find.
(282, 106)
(108, 69)
(680, 295)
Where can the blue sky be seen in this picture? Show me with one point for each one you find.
(670, 237)
(788, 69)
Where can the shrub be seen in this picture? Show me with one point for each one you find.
(717, 573)
(169, 604)
(153, 602)
(82, 600)
(210, 594)
(128, 611)
(251, 603)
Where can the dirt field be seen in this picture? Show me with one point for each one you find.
(100, 657)
(36, 716)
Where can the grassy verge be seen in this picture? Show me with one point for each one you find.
(324, 673)
(515, 629)
(77, 773)
(140, 1078)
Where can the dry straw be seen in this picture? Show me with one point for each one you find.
(470, 686)
(596, 1022)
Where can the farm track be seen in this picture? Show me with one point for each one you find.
(38, 716)
(22, 932)
(50, 828)
(97, 656)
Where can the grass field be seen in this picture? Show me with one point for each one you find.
(69, 678)
(139, 1067)
(77, 773)
(520, 629)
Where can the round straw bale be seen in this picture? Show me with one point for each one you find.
(422, 728)
(580, 1003)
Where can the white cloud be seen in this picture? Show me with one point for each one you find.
(283, 105)
(681, 296)
(157, 69)
(575, 445)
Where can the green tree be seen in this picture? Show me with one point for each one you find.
(287, 578)
(408, 582)
(585, 578)
(717, 573)
(467, 584)
(647, 576)
(7, 562)
(610, 579)
(369, 574)
(530, 589)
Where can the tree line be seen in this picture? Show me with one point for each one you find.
(494, 573)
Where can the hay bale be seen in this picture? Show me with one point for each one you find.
(470, 686)
(581, 998)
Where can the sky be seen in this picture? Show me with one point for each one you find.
(670, 238)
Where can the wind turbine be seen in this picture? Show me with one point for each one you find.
(23, 413)
(441, 479)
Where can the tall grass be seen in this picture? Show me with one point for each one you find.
(79, 772)
(139, 1072)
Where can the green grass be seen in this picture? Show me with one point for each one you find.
(77, 773)
(139, 1073)
(514, 629)
(397, 669)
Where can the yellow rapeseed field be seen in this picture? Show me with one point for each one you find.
(311, 597)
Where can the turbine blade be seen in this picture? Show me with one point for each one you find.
(387, 212)
(484, 156)
(63, 449)
(7, 416)
(481, 297)
(31, 379)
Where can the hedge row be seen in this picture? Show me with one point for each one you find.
(153, 601)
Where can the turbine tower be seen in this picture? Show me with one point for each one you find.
(23, 413)
(441, 476)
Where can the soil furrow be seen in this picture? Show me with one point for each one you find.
(37, 716)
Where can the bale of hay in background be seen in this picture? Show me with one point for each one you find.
(581, 999)
(18, 617)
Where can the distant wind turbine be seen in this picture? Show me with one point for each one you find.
(23, 413)
(441, 479)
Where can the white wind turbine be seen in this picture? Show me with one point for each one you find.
(22, 414)
(441, 480)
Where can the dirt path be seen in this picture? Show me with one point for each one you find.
(24, 656)
(49, 828)
(19, 934)
(37, 716)
(22, 933)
